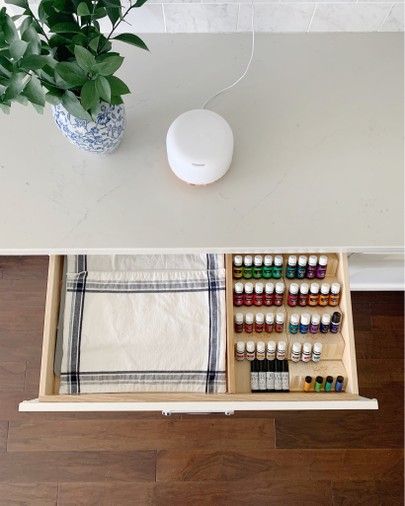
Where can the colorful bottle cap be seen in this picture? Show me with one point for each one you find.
(336, 317)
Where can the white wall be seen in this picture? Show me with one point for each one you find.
(221, 16)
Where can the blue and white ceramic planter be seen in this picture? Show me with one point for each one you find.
(103, 135)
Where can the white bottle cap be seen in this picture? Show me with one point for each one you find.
(292, 260)
(269, 288)
(302, 260)
(296, 347)
(238, 287)
(325, 288)
(259, 318)
(294, 287)
(294, 319)
(240, 346)
(250, 346)
(314, 288)
(305, 319)
(312, 260)
(281, 346)
(317, 347)
(239, 317)
(315, 319)
(280, 287)
(326, 319)
(249, 288)
(237, 260)
(259, 288)
(335, 288)
(271, 346)
(307, 347)
(304, 288)
(268, 260)
(247, 260)
(258, 261)
(280, 318)
(278, 260)
(269, 317)
(260, 347)
(323, 260)
(249, 318)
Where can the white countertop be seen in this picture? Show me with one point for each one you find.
(318, 163)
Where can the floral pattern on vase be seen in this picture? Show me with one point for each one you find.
(102, 135)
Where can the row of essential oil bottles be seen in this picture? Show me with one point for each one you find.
(318, 386)
(303, 324)
(272, 351)
(259, 294)
(266, 267)
(269, 376)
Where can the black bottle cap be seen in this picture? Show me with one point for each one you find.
(339, 379)
(319, 379)
(329, 379)
(336, 317)
(308, 379)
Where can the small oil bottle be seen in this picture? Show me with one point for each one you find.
(285, 376)
(248, 325)
(262, 375)
(278, 382)
(277, 267)
(296, 352)
(260, 350)
(339, 384)
(328, 383)
(237, 267)
(279, 325)
(325, 323)
(294, 324)
(279, 294)
(270, 375)
(303, 295)
(313, 294)
(324, 295)
(268, 297)
(257, 266)
(281, 350)
(311, 267)
(306, 352)
(302, 266)
(318, 384)
(259, 323)
(321, 267)
(308, 384)
(254, 375)
(304, 323)
(258, 295)
(315, 323)
(248, 295)
(238, 323)
(240, 350)
(334, 296)
(250, 351)
(292, 298)
(271, 350)
(269, 323)
(316, 352)
(335, 322)
(247, 267)
(238, 294)
(291, 268)
(267, 270)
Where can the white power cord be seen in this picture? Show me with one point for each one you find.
(252, 52)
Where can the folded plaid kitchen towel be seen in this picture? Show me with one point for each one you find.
(146, 331)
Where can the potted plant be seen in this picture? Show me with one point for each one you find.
(60, 55)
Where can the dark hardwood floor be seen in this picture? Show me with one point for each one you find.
(251, 458)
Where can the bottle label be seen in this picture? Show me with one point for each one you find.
(278, 384)
(262, 381)
(254, 381)
(270, 380)
(285, 380)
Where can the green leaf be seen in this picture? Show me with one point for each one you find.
(66, 27)
(89, 96)
(118, 87)
(139, 3)
(73, 105)
(108, 66)
(9, 30)
(93, 44)
(17, 48)
(6, 67)
(116, 100)
(131, 38)
(17, 83)
(103, 88)
(83, 9)
(19, 3)
(34, 91)
(113, 8)
(84, 58)
(100, 13)
(53, 98)
(71, 73)
(37, 61)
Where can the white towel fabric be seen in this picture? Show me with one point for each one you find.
(144, 331)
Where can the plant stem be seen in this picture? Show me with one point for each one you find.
(39, 24)
(120, 20)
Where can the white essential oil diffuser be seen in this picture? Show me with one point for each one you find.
(199, 146)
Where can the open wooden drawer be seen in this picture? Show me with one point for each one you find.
(340, 358)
